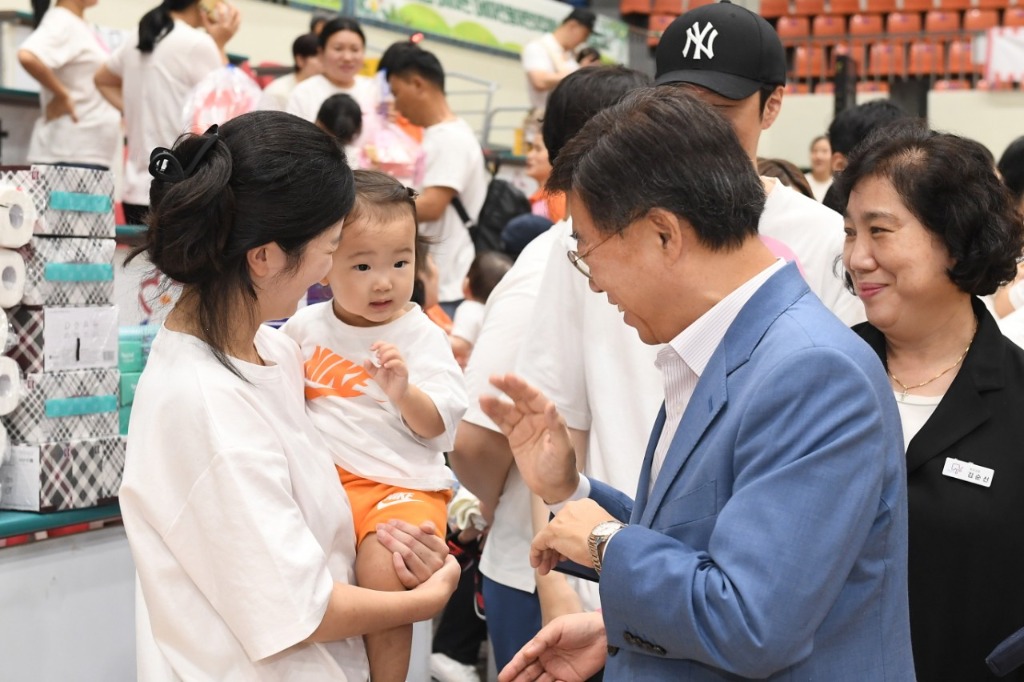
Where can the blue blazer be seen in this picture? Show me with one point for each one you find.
(773, 543)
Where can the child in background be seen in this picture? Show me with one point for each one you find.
(484, 274)
(387, 416)
(341, 116)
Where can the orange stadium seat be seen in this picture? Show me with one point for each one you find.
(992, 4)
(809, 62)
(657, 26)
(917, 5)
(887, 59)
(844, 6)
(825, 88)
(808, 8)
(941, 24)
(980, 19)
(828, 28)
(925, 59)
(903, 25)
(1013, 16)
(793, 30)
(953, 4)
(774, 8)
(872, 86)
(674, 7)
(797, 88)
(865, 28)
(856, 52)
(960, 58)
(693, 4)
(634, 7)
(880, 6)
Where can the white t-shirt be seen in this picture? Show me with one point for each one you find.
(815, 234)
(276, 94)
(545, 54)
(915, 411)
(155, 89)
(818, 189)
(307, 97)
(363, 428)
(73, 51)
(236, 519)
(453, 159)
(469, 318)
(506, 555)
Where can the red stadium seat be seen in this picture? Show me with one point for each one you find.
(881, 6)
(808, 8)
(844, 6)
(980, 19)
(941, 25)
(887, 59)
(992, 4)
(774, 8)
(903, 25)
(917, 5)
(828, 29)
(793, 30)
(953, 4)
(925, 59)
(865, 28)
(674, 7)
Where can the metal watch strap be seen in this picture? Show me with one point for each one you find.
(598, 537)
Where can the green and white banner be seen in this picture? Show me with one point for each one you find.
(499, 24)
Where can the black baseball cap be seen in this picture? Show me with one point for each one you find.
(722, 47)
(584, 17)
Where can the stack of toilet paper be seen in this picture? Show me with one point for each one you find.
(59, 378)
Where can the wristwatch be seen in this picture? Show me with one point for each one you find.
(601, 534)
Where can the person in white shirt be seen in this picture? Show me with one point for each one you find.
(820, 177)
(76, 125)
(453, 166)
(342, 56)
(150, 77)
(239, 528)
(306, 57)
(383, 389)
(549, 59)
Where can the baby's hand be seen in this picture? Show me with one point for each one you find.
(387, 367)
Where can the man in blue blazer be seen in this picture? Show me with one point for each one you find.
(768, 538)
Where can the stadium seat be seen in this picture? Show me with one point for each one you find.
(872, 86)
(945, 84)
(941, 25)
(903, 25)
(774, 8)
(953, 4)
(1013, 16)
(916, 5)
(925, 59)
(808, 8)
(887, 59)
(809, 62)
(865, 28)
(992, 4)
(794, 88)
(844, 6)
(635, 7)
(657, 26)
(825, 88)
(960, 58)
(980, 19)
(674, 7)
(693, 4)
(793, 30)
(880, 6)
(828, 29)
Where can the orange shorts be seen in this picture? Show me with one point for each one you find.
(374, 503)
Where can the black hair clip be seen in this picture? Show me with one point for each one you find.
(413, 194)
(164, 165)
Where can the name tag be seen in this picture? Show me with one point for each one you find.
(965, 471)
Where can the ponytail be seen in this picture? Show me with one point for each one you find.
(157, 23)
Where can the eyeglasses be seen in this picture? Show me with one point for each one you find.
(577, 258)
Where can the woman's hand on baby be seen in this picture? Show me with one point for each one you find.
(389, 370)
(417, 551)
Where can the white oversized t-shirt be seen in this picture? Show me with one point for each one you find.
(236, 519)
(73, 51)
(307, 97)
(155, 88)
(453, 159)
(275, 96)
(469, 318)
(506, 555)
(364, 429)
(545, 54)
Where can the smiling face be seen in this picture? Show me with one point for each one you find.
(374, 269)
(821, 158)
(279, 297)
(343, 57)
(898, 267)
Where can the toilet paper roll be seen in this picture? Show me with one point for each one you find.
(10, 385)
(12, 278)
(17, 217)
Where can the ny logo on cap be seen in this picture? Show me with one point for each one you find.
(702, 40)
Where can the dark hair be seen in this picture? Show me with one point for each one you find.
(381, 198)
(787, 173)
(157, 23)
(391, 54)
(588, 51)
(306, 46)
(270, 178)
(853, 125)
(337, 25)
(579, 96)
(627, 161)
(1011, 167)
(485, 272)
(948, 184)
(341, 116)
(418, 62)
(317, 17)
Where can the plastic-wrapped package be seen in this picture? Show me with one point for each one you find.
(219, 97)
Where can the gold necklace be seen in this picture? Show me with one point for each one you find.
(906, 388)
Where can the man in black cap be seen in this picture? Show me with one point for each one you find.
(549, 59)
(733, 59)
